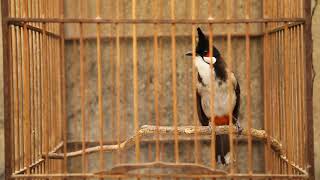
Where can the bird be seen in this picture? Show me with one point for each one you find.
(222, 76)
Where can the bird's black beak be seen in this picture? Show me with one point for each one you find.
(189, 53)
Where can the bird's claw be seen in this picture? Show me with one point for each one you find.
(239, 129)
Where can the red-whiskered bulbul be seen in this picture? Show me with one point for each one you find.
(221, 77)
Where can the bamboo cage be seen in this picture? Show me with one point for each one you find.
(101, 89)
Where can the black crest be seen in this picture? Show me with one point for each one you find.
(203, 46)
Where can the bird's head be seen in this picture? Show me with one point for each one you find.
(202, 49)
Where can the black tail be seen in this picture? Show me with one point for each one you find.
(222, 147)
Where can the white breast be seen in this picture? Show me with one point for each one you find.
(224, 101)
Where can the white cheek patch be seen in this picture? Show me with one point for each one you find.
(208, 59)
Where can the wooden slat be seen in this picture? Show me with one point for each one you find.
(8, 104)
(248, 90)
(158, 21)
(135, 82)
(309, 76)
(174, 81)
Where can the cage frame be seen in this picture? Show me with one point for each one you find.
(7, 73)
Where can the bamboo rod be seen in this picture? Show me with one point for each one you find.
(64, 119)
(195, 119)
(303, 70)
(174, 82)
(51, 128)
(125, 92)
(148, 93)
(26, 98)
(163, 36)
(100, 93)
(212, 91)
(21, 129)
(161, 83)
(156, 78)
(135, 82)
(38, 101)
(287, 100)
(118, 74)
(83, 101)
(300, 96)
(45, 97)
(16, 100)
(11, 135)
(248, 89)
(32, 94)
(229, 63)
(158, 21)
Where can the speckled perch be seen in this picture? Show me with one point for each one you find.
(148, 130)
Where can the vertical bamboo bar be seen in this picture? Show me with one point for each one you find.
(16, 101)
(32, 94)
(229, 62)
(273, 86)
(36, 76)
(212, 80)
(112, 71)
(7, 64)
(301, 100)
(64, 92)
(148, 93)
(51, 103)
(124, 118)
(156, 78)
(118, 73)
(22, 154)
(174, 82)
(212, 91)
(99, 64)
(282, 98)
(135, 82)
(288, 116)
(300, 95)
(82, 92)
(10, 49)
(248, 89)
(26, 92)
(39, 132)
(54, 120)
(45, 95)
(266, 84)
(161, 80)
(277, 95)
(195, 119)
(293, 94)
(19, 95)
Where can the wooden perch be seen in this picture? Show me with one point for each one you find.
(148, 130)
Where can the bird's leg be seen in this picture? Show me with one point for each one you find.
(210, 125)
(238, 127)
